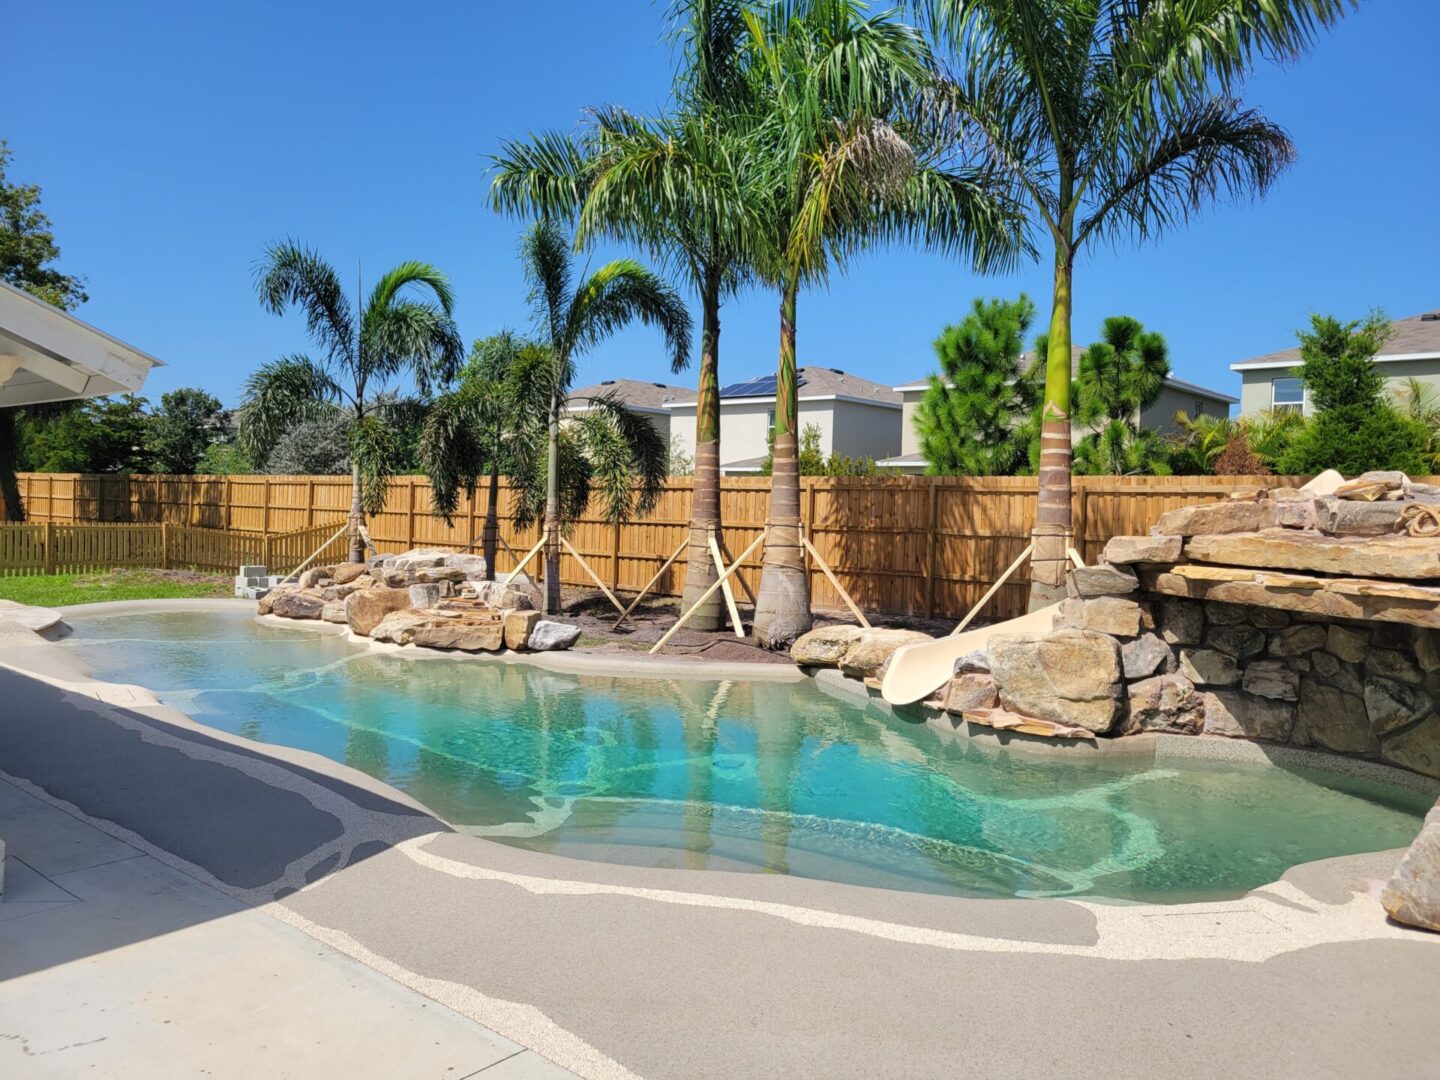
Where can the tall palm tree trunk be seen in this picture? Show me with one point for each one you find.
(357, 516)
(1052, 513)
(782, 607)
(700, 571)
(552, 513)
(11, 508)
(490, 535)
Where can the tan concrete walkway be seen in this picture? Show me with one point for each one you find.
(114, 965)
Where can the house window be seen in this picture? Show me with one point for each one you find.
(1287, 395)
(1199, 407)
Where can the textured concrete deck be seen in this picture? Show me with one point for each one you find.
(614, 971)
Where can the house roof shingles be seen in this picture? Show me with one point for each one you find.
(1417, 334)
(827, 382)
(636, 393)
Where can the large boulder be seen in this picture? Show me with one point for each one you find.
(1145, 656)
(1271, 679)
(1295, 640)
(333, 612)
(1416, 748)
(1412, 895)
(497, 594)
(425, 595)
(295, 604)
(1112, 615)
(1241, 642)
(871, 651)
(1209, 667)
(1237, 714)
(1232, 516)
(1347, 643)
(1070, 677)
(365, 609)
(473, 566)
(1182, 622)
(1391, 704)
(417, 558)
(547, 635)
(1165, 703)
(1101, 580)
(518, 627)
(470, 635)
(312, 577)
(825, 646)
(970, 691)
(1127, 550)
(1341, 517)
(1335, 720)
(400, 627)
(344, 573)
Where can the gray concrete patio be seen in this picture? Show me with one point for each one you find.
(290, 886)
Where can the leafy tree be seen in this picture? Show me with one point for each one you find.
(1356, 426)
(606, 449)
(102, 435)
(182, 429)
(972, 419)
(316, 446)
(1120, 376)
(1111, 118)
(27, 250)
(677, 186)
(811, 459)
(480, 429)
(27, 244)
(393, 334)
(1419, 402)
(837, 95)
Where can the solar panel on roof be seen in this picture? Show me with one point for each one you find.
(754, 388)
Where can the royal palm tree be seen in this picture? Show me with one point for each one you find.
(609, 446)
(395, 333)
(474, 431)
(677, 187)
(836, 93)
(1113, 118)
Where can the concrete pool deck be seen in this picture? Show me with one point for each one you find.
(615, 971)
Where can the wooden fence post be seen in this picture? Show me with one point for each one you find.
(933, 527)
(615, 560)
(410, 519)
(165, 545)
(47, 562)
(225, 502)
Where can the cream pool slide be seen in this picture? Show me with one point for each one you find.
(917, 671)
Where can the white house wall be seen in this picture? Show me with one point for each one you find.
(1255, 394)
(863, 431)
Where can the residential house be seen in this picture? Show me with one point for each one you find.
(1176, 396)
(647, 398)
(856, 417)
(1412, 352)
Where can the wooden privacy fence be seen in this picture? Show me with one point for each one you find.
(52, 548)
(912, 544)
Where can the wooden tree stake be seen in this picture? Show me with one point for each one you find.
(707, 594)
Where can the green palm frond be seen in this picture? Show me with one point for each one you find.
(628, 455)
(375, 450)
(622, 292)
(289, 274)
(279, 395)
(546, 175)
(545, 257)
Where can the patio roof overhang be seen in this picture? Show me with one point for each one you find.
(48, 355)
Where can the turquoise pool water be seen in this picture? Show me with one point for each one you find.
(765, 776)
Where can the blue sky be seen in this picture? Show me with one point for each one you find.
(173, 140)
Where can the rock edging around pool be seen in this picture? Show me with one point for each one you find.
(429, 597)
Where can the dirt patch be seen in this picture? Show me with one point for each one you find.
(594, 614)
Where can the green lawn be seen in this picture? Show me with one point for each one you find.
(57, 590)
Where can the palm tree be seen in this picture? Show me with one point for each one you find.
(393, 334)
(1420, 402)
(609, 445)
(837, 94)
(1113, 118)
(677, 187)
(471, 432)
(1120, 377)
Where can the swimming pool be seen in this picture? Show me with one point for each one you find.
(766, 776)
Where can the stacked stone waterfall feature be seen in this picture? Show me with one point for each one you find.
(1309, 618)
(426, 597)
